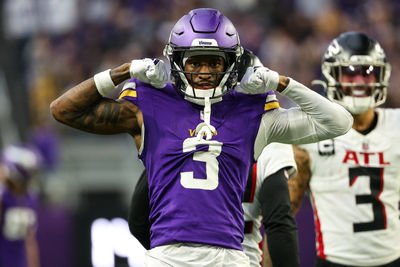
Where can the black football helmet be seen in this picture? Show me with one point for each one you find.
(351, 54)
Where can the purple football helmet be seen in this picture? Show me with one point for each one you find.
(204, 31)
(20, 163)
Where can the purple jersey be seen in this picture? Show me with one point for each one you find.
(18, 214)
(196, 187)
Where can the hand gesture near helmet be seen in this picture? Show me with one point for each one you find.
(151, 71)
(259, 80)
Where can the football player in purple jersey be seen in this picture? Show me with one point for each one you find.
(18, 207)
(266, 193)
(198, 133)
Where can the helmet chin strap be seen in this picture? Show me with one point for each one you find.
(205, 128)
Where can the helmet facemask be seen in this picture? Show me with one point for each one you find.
(357, 97)
(183, 80)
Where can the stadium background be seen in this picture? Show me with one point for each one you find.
(47, 46)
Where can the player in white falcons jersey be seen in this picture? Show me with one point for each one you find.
(266, 177)
(354, 179)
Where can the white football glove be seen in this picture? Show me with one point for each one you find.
(258, 80)
(151, 71)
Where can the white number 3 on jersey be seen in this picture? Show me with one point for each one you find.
(209, 157)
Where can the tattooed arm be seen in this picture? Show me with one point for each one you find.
(83, 108)
(299, 184)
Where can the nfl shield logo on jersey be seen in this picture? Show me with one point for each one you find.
(365, 146)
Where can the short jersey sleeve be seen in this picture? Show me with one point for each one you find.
(274, 157)
(271, 102)
(129, 91)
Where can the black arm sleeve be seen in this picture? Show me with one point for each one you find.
(139, 212)
(279, 223)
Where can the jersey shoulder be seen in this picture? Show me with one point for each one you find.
(390, 117)
(134, 89)
(269, 99)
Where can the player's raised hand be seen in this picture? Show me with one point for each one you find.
(258, 80)
(151, 71)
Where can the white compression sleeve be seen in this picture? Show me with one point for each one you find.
(314, 120)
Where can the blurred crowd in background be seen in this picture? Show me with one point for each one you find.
(50, 45)
(47, 46)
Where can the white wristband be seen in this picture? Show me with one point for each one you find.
(104, 83)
